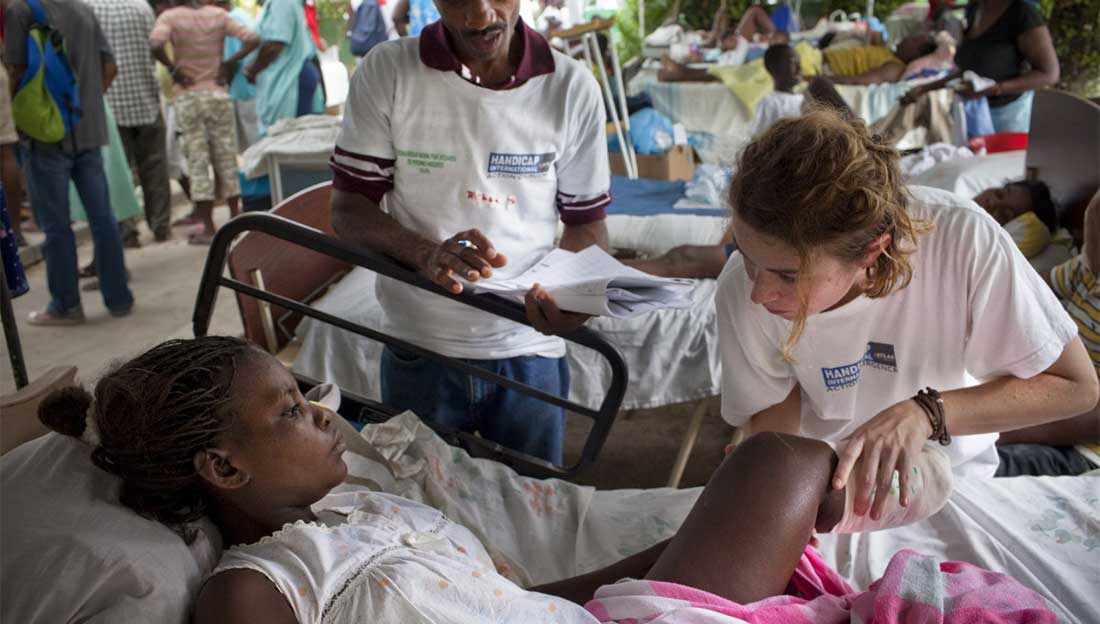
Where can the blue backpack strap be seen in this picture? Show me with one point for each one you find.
(38, 12)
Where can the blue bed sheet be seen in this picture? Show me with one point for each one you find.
(649, 198)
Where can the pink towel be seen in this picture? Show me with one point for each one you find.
(915, 588)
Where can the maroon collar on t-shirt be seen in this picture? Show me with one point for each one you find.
(535, 59)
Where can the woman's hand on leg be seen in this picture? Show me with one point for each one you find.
(887, 443)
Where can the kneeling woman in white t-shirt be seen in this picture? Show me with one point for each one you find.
(850, 293)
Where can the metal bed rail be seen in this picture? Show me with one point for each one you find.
(214, 277)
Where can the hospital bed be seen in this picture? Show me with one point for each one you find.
(721, 121)
(271, 268)
(71, 553)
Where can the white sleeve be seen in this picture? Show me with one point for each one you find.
(758, 118)
(366, 126)
(754, 374)
(1016, 326)
(583, 167)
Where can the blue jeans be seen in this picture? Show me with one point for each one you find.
(48, 169)
(453, 399)
(1014, 116)
(308, 81)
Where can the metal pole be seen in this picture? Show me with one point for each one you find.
(592, 48)
(11, 333)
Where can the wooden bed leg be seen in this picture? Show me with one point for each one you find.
(688, 443)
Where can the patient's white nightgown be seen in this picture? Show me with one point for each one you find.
(374, 557)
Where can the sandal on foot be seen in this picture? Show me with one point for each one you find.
(47, 318)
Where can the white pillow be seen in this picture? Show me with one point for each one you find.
(69, 551)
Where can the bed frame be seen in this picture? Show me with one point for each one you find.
(287, 256)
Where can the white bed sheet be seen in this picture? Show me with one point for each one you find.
(966, 177)
(711, 109)
(1045, 531)
(684, 368)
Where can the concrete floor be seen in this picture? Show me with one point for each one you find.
(640, 451)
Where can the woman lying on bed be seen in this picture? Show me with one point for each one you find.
(215, 427)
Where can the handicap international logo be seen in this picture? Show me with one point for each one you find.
(878, 355)
(519, 165)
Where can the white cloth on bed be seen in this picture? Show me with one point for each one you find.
(308, 138)
(374, 557)
(947, 329)
(967, 177)
(672, 355)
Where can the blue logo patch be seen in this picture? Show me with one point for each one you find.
(519, 164)
(878, 355)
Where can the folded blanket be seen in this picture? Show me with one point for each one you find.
(915, 588)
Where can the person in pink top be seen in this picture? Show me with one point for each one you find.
(197, 32)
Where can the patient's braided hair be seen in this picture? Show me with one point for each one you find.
(823, 183)
(152, 414)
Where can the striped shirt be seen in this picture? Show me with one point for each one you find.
(134, 96)
(198, 40)
(1079, 290)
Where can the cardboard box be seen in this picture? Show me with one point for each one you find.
(678, 163)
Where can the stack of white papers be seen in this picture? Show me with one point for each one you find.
(593, 282)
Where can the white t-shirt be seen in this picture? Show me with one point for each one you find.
(975, 310)
(470, 157)
(773, 107)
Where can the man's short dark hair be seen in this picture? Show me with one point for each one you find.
(1041, 202)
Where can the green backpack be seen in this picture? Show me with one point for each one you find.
(46, 105)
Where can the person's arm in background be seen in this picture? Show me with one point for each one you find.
(691, 261)
(401, 17)
(17, 21)
(1038, 49)
(269, 51)
(912, 95)
(110, 71)
(249, 42)
(106, 57)
(276, 30)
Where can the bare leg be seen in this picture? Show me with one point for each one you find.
(685, 261)
(755, 22)
(234, 204)
(746, 533)
(204, 210)
(671, 71)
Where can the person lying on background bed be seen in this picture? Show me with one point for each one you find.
(214, 427)
(860, 312)
(1025, 210)
(1071, 446)
(479, 138)
(860, 65)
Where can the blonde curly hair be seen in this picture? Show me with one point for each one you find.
(822, 183)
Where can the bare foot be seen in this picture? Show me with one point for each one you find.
(191, 219)
(201, 237)
(670, 71)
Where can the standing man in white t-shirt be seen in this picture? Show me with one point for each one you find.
(460, 151)
(881, 319)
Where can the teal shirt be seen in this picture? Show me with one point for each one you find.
(239, 88)
(277, 85)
